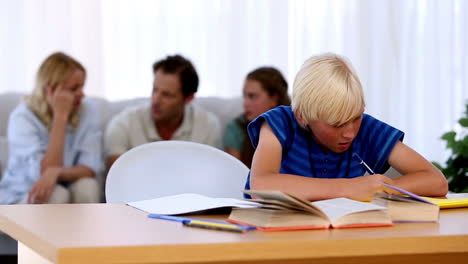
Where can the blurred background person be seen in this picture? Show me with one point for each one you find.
(264, 88)
(170, 114)
(54, 140)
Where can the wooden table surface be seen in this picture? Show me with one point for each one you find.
(116, 233)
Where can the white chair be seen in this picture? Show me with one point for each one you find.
(172, 167)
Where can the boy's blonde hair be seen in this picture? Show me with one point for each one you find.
(55, 69)
(326, 88)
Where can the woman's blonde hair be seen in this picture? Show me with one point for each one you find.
(326, 88)
(55, 69)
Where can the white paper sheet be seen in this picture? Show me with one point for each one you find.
(187, 203)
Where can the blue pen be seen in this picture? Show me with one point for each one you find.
(170, 217)
(358, 158)
(177, 218)
(410, 194)
(187, 219)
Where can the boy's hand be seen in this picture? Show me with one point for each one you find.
(364, 188)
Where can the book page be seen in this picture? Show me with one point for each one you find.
(187, 203)
(288, 199)
(338, 207)
(278, 204)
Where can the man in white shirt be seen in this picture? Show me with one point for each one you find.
(170, 116)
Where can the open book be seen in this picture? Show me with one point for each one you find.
(187, 203)
(282, 211)
(408, 207)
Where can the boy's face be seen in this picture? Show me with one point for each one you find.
(336, 138)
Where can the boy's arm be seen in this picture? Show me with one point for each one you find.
(418, 175)
(265, 176)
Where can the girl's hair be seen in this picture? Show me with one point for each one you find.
(272, 82)
(55, 69)
(326, 88)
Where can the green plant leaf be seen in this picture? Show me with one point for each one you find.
(456, 166)
(450, 138)
(464, 149)
(457, 148)
(463, 122)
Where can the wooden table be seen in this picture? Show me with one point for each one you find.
(116, 233)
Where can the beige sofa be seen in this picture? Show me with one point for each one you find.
(224, 109)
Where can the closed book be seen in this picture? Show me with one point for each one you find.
(282, 211)
(408, 209)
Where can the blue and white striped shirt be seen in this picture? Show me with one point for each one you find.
(303, 156)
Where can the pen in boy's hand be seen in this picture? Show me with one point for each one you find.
(361, 161)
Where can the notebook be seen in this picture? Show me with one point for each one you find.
(449, 202)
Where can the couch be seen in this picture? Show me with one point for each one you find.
(224, 109)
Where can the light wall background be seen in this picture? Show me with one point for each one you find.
(411, 55)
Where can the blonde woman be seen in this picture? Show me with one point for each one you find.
(308, 149)
(54, 140)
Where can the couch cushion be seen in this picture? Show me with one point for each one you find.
(3, 154)
(8, 101)
(225, 109)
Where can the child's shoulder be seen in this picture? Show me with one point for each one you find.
(281, 111)
(371, 126)
(370, 121)
(281, 116)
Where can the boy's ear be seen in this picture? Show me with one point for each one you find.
(300, 119)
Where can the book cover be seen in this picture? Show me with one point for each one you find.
(449, 202)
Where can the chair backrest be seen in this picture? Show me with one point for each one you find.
(172, 167)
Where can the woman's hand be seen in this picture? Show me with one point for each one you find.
(42, 189)
(364, 188)
(60, 100)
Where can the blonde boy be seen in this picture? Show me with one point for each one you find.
(307, 149)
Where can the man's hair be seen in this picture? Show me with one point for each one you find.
(183, 68)
(326, 88)
(272, 82)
